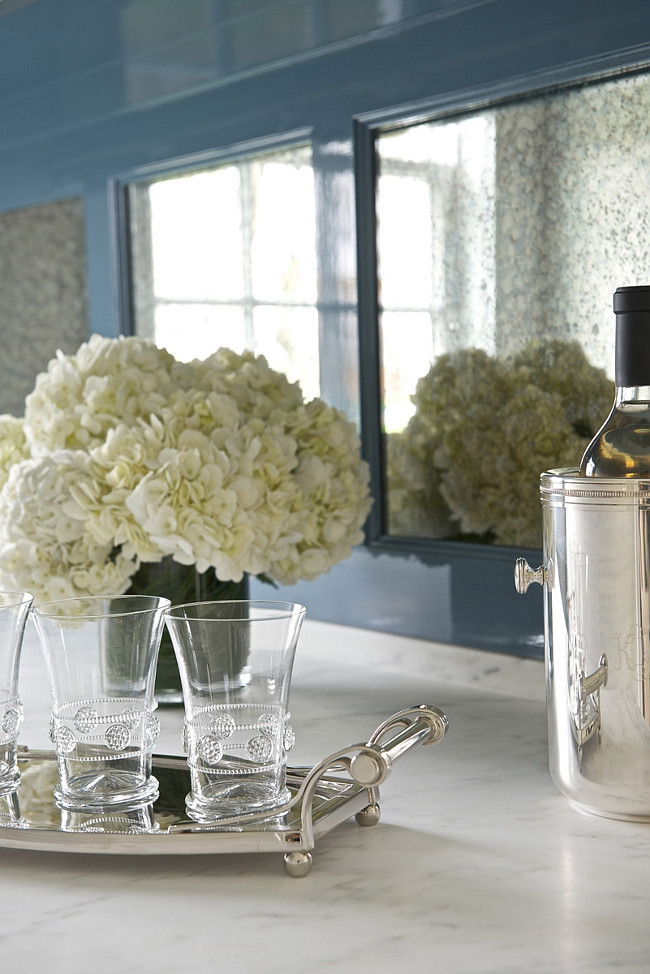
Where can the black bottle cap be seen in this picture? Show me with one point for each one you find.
(632, 299)
(632, 308)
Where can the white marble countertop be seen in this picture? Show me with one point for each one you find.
(478, 864)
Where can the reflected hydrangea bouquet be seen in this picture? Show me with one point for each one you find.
(484, 428)
(126, 456)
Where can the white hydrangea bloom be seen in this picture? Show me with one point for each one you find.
(332, 500)
(109, 381)
(119, 464)
(218, 501)
(217, 464)
(46, 548)
(248, 380)
(13, 444)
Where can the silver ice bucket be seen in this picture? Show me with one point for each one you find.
(596, 578)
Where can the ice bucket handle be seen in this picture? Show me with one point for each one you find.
(525, 575)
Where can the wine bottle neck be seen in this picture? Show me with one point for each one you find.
(632, 359)
(632, 394)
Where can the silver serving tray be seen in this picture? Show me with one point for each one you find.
(342, 785)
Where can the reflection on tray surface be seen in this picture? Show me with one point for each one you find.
(35, 808)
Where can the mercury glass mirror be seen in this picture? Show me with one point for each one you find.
(43, 293)
(501, 235)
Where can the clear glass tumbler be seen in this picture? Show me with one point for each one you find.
(136, 820)
(101, 654)
(14, 609)
(235, 660)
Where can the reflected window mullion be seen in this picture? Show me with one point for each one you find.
(247, 208)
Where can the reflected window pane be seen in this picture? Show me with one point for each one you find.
(503, 235)
(283, 248)
(288, 338)
(194, 257)
(227, 257)
(406, 344)
(405, 272)
(195, 331)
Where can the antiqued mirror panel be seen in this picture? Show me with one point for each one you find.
(501, 235)
(43, 292)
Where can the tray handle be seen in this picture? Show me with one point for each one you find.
(367, 765)
(422, 725)
(370, 764)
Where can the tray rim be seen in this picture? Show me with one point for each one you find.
(184, 837)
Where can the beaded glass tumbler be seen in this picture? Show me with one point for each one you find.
(101, 654)
(236, 732)
(14, 609)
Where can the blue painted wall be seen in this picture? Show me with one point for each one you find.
(92, 91)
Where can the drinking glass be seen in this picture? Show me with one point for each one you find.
(101, 655)
(235, 660)
(125, 820)
(14, 609)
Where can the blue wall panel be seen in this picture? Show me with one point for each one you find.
(94, 90)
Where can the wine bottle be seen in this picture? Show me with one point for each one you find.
(621, 448)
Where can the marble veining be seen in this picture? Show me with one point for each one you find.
(478, 863)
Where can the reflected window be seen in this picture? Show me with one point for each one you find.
(437, 279)
(227, 257)
(501, 236)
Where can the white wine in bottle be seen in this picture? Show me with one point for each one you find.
(621, 448)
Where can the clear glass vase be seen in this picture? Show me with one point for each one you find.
(180, 583)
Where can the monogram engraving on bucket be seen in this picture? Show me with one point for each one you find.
(111, 722)
(257, 745)
(628, 658)
(633, 660)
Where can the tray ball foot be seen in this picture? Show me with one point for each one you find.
(298, 864)
(369, 815)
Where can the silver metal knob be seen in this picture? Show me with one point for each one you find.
(525, 575)
(369, 769)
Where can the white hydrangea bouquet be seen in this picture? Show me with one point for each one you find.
(126, 456)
